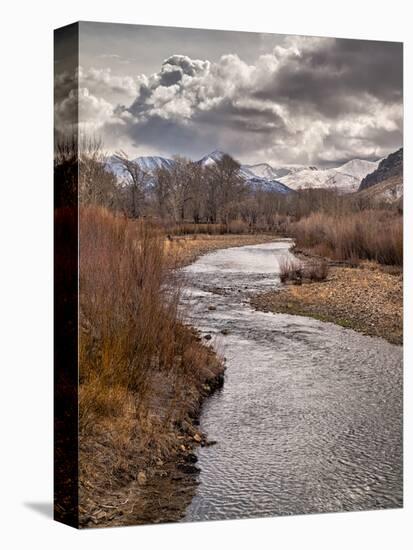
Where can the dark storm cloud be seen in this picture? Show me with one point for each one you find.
(335, 75)
(309, 100)
(242, 118)
(170, 137)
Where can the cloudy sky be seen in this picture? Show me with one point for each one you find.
(260, 97)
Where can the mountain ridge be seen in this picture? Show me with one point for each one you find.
(389, 167)
(346, 178)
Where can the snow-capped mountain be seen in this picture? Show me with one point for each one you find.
(211, 158)
(254, 178)
(385, 184)
(268, 185)
(261, 170)
(150, 164)
(267, 171)
(357, 168)
(388, 167)
(345, 178)
(147, 164)
(282, 179)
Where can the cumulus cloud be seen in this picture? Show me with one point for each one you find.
(111, 87)
(90, 112)
(310, 100)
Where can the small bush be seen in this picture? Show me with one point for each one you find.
(316, 270)
(291, 270)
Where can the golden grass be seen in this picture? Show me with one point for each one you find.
(142, 372)
(369, 235)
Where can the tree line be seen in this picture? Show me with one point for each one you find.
(188, 192)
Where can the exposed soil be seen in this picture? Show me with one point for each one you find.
(368, 298)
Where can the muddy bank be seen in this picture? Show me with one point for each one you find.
(366, 298)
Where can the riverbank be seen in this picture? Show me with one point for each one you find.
(125, 482)
(367, 298)
(298, 392)
(143, 375)
(137, 443)
(184, 250)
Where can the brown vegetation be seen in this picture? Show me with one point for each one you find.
(292, 270)
(369, 235)
(142, 373)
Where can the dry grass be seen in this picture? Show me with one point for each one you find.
(369, 235)
(317, 270)
(142, 373)
(292, 270)
(234, 227)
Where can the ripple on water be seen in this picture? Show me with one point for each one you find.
(310, 416)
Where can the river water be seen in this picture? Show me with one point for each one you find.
(310, 416)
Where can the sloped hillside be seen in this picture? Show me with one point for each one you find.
(391, 166)
(390, 191)
(345, 178)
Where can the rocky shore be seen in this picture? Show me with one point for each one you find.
(367, 298)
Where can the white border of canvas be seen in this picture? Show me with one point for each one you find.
(26, 271)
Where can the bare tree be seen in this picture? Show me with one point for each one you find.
(197, 195)
(161, 191)
(225, 189)
(97, 184)
(136, 180)
(180, 187)
(173, 189)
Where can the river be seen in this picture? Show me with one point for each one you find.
(310, 416)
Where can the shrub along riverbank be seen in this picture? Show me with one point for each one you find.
(368, 299)
(350, 272)
(375, 235)
(143, 374)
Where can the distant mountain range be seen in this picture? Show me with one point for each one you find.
(345, 178)
(286, 179)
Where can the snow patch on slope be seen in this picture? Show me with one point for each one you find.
(345, 178)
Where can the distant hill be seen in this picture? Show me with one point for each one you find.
(150, 164)
(390, 167)
(389, 191)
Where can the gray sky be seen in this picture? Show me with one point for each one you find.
(260, 97)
